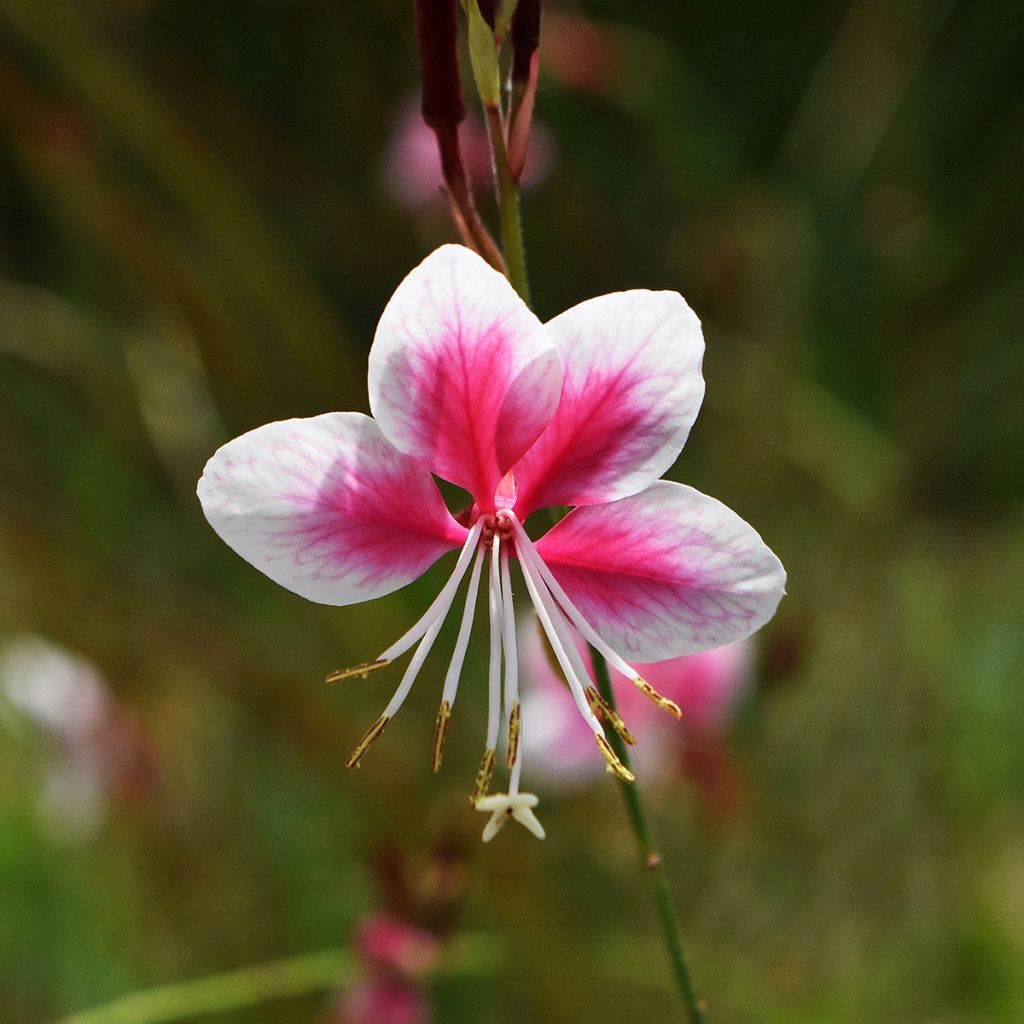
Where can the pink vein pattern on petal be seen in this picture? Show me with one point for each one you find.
(327, 507)
(668, 571)
(631, 390)
(462, 376)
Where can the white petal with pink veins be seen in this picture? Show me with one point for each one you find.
(462, 376)
(327, 507)
(631, 390)
(668, 571)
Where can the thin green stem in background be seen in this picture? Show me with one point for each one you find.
(232, 990)
(650, 857)
(508, 206)
(306, 974)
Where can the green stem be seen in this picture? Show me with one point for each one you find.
(508, 205)
(651, 858)
(515, 260)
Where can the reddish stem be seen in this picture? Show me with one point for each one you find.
(443, 112)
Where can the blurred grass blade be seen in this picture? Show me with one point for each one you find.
(471, 955)
(209, 192)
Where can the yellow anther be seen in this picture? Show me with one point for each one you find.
(356, 671)
(372, 733)
(513, 735)
(605, 711)
(483, 776)
(663, 702)
(441, 723)
(615, 766)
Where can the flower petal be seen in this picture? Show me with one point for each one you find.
(463, 377)
(631, 389)
(327, 507)
(665, 572)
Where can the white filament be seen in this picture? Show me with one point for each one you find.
(440, 605)
(451, 679)
(568, 669)
(529, 554)
(561, 624)
(440, 610)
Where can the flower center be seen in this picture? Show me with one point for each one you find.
(498, 524)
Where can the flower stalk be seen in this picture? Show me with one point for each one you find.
(650, 858)
(524, 83)
(508, 206)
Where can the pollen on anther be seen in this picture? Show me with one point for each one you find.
(444, 718)
(604, 711)
(483, 776)
(357, 671)
(513, 736)
(615, 766)
(371, 734)
(663, 702)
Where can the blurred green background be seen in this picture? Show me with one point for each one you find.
(197, 235)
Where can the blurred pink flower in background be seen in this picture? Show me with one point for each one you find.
(383, 1001)
(579, 53)
(709, 687)
(100, 757)
(395, 955)
(388, 943)
(412, 168)
(399, 944)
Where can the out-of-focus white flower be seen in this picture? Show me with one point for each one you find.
(98, 757)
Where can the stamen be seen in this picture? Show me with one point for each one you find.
(528, 553)
(663, 702)
(372, 733)
(444, 717)
(564, 630)
(442, 602)
(604, 710)
(483, 776)
(512, 753)
(615, 766)
(356, 671)
(568, 670)
(413, 668)
(451, 679)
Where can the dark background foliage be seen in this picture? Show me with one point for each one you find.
(196, 238)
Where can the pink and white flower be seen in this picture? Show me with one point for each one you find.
(586, 411)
